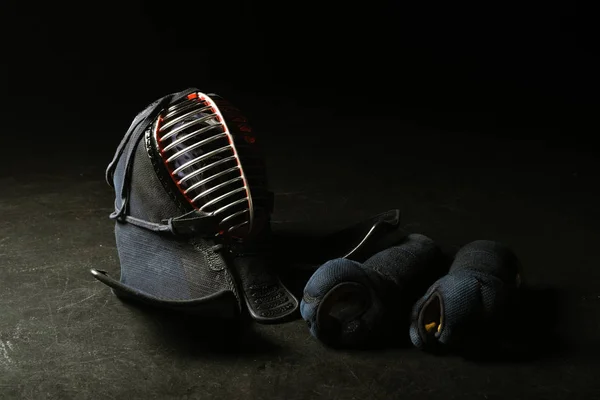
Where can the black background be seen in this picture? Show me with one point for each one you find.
(511, 63)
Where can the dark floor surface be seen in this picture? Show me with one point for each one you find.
(64, 335)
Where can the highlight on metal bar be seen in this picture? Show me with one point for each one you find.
(173, 121)
(196, 145)
(200, 158)
(211, 178)
(233, 228)
(228, 206)
(222, 197)
(215, 188)
(186, 125)
(189, 136)
(200, 154)
(233, 216)
(206, 168)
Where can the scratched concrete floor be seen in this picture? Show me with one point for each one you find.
(63, 335)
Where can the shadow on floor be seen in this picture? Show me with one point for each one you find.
(198, 336)
(531, 332)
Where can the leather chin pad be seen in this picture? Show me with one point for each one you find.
(268, 301)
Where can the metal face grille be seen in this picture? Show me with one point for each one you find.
(200, 154)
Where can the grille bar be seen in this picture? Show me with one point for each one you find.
(206, 168)
(216, 187)
(200, 158)
(194, 110)
(183, 127)
(200, 154)
(210, 178)
(196, 145)
(189, 136)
